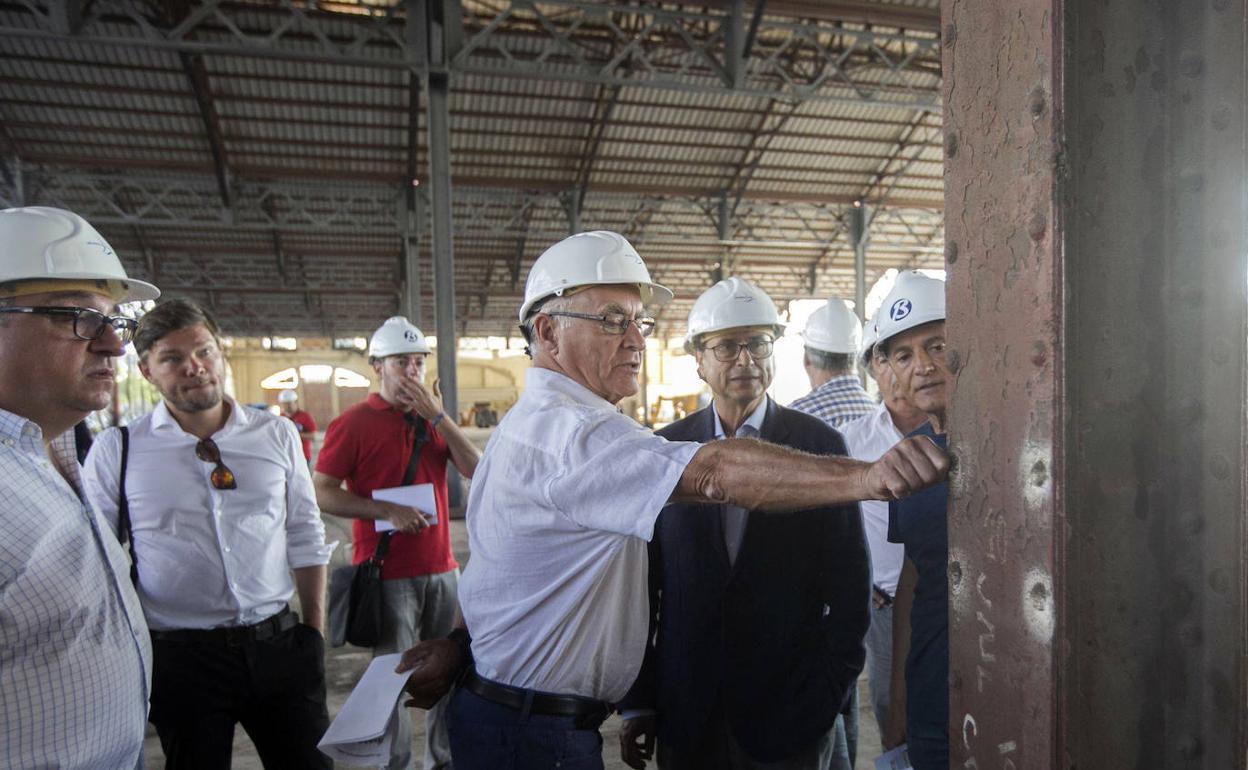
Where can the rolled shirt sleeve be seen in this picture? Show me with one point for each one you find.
(305, 532)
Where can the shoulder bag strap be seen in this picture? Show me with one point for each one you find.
(422, 436)
(123, 507)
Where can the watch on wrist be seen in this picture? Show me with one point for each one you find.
(459, 635)
(434, 422)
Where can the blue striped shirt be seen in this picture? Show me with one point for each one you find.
(836, 401)
(75, 654)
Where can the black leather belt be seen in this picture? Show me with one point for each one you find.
(233, 635)
(589, 713)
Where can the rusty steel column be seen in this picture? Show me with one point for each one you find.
(1096, 243)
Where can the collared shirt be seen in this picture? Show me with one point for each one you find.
(561, 503)
(735, 517)
(868, 438)
(369, 446)
(212, 557)
(836, 401)
(75, 655)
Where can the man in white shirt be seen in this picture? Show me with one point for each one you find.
(869, 437)
(221, 512)
(562, 505)
(75, 656)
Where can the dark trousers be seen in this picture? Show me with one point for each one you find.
(274, 687)
(487, 736)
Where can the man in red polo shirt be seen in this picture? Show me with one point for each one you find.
(369, 446)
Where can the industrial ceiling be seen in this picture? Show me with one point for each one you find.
(272, 159)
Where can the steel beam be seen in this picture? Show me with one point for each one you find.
(858, 234)
(440, 53)
(1097, 319)
(671, 47)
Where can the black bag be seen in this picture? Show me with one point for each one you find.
(355, 591)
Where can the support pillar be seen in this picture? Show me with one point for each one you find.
(1098, 324)
(858, 239)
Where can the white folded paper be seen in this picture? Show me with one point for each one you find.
(418, 496)
(897, 759)
(365, 729)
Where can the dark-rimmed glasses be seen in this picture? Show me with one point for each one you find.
(612, 323)
(222, 477)
(88, 324)
(760, 348)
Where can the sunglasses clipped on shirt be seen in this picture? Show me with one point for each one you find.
(89, 324)
(222, 477)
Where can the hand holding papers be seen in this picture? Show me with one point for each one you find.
(418, 496)
(362, 733)
(897, 759)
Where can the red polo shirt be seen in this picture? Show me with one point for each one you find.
(369, 446)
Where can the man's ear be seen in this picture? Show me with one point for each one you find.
(544, 336)
(144, 370)
(697, 356)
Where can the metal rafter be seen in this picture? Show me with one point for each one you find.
(574, 40)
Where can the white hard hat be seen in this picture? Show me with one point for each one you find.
(916, 299)
(48, 244)
(833, 328)
(395, 337)
(589, 259)
(869, 337)
(287, 396)
(730, 304)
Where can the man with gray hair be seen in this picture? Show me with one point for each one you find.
(75, 655)
(832, 337)
(563, 503)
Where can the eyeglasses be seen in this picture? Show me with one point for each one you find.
(222, 477)
(760, 348)
(902, 359)
(612, 323)
(88, 324)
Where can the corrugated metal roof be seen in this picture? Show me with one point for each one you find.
(313, 130)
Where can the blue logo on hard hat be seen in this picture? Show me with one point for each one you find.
(900, 309)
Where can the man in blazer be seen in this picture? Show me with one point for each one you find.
(757, 621)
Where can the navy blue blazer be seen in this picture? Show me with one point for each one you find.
(776, 639)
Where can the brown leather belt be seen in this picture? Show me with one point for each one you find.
(233, 635)
(589, 713)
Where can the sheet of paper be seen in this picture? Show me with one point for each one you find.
(364, 730)
(418, 496)
(897, 759)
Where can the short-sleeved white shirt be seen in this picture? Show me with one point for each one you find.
(868, 438)
(561, 505)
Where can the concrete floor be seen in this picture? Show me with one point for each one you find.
(345, 665)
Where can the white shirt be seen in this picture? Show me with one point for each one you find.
(561, 505)
(210, 557)
(735, 517)
(75, 654)
(868, 438)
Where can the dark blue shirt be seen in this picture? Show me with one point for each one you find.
(918, 522)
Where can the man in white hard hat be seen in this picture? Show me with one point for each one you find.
(75, 655)
(868, 437)
(911, 325)
(399, 437)
(217, 504)
(563, 504)
(734, 598)
(289, 402)
(832, 336)
(831, 340)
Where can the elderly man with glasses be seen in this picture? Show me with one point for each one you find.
(562, 506)
(217, 504)
(758, 620)
(75, 656)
